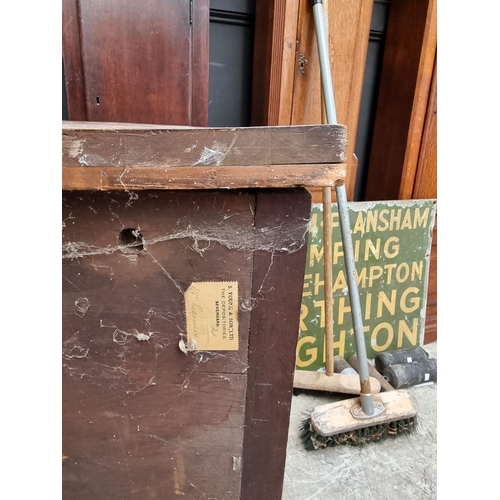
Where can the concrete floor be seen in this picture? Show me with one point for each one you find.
(404, 467)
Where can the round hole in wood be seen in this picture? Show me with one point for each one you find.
(130, 241)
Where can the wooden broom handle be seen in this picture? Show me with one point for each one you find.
(328, 278)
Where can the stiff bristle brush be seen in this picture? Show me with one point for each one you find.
(369, 417)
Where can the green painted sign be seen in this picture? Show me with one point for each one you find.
(392, 242)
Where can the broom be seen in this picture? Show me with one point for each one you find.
(368, 417)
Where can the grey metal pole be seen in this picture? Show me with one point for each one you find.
(366, 397)
(352, 285)
(324, 61)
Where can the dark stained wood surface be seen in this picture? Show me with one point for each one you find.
(431, 310)
(141, 419)
(162, 147)
(402, 99)
(134, 157)
(72, 59)
(274, 331)
(142, 62)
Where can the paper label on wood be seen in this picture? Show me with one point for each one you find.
(212, 316)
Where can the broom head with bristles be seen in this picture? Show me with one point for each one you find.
(333, 424)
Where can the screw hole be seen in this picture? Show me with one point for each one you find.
(130, 241)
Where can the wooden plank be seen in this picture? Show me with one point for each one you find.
(160, 147)
(139, 178)
(431, 310)
(345, 384)
(402, 100)
(288, 65)
(180, 436)
(72, 58)
(425, 185)
(199, 81)
(332, 418)
(267, 59)
(306, 100)
(272, 343)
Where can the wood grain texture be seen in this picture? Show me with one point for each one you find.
(296, 95)
(200, 63)
(306, 99)
(349, 30)
(165, 147)
(336, 383)
(273, 338)
(421, 102)
(402, 101)
(288, 66)
(72, 59)
(348, 35)
(140, 417)
(228, 177)
(425, 185)
(269, 28)
(431, 322)
(142, 62)
(332, 418)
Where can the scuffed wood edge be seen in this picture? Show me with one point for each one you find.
(333, 418)
(155, 146)
(227, 177)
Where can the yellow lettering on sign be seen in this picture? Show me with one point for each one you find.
(315, 254)
(391, 247)
(359, 225)
(338, 251)
(382, 218)
(402, 272)
(395, 219)
(362, 278)
(313, 224)
(375, 249)
(414, 301)
(420, 220)
(311, 352)
(317, 283)
(383, 300)
(340, 344)
(411, 335)
(389, 268)
(417, 270)
(374, 337)
(335, 223)
(371, 220)
(340, 281)
(343, 309)
(406, 220)
(306, 293)
(375, 273)
(368, 306)
(304, 310)
(321, 305)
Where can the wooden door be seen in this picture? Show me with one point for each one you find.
(137, 62)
